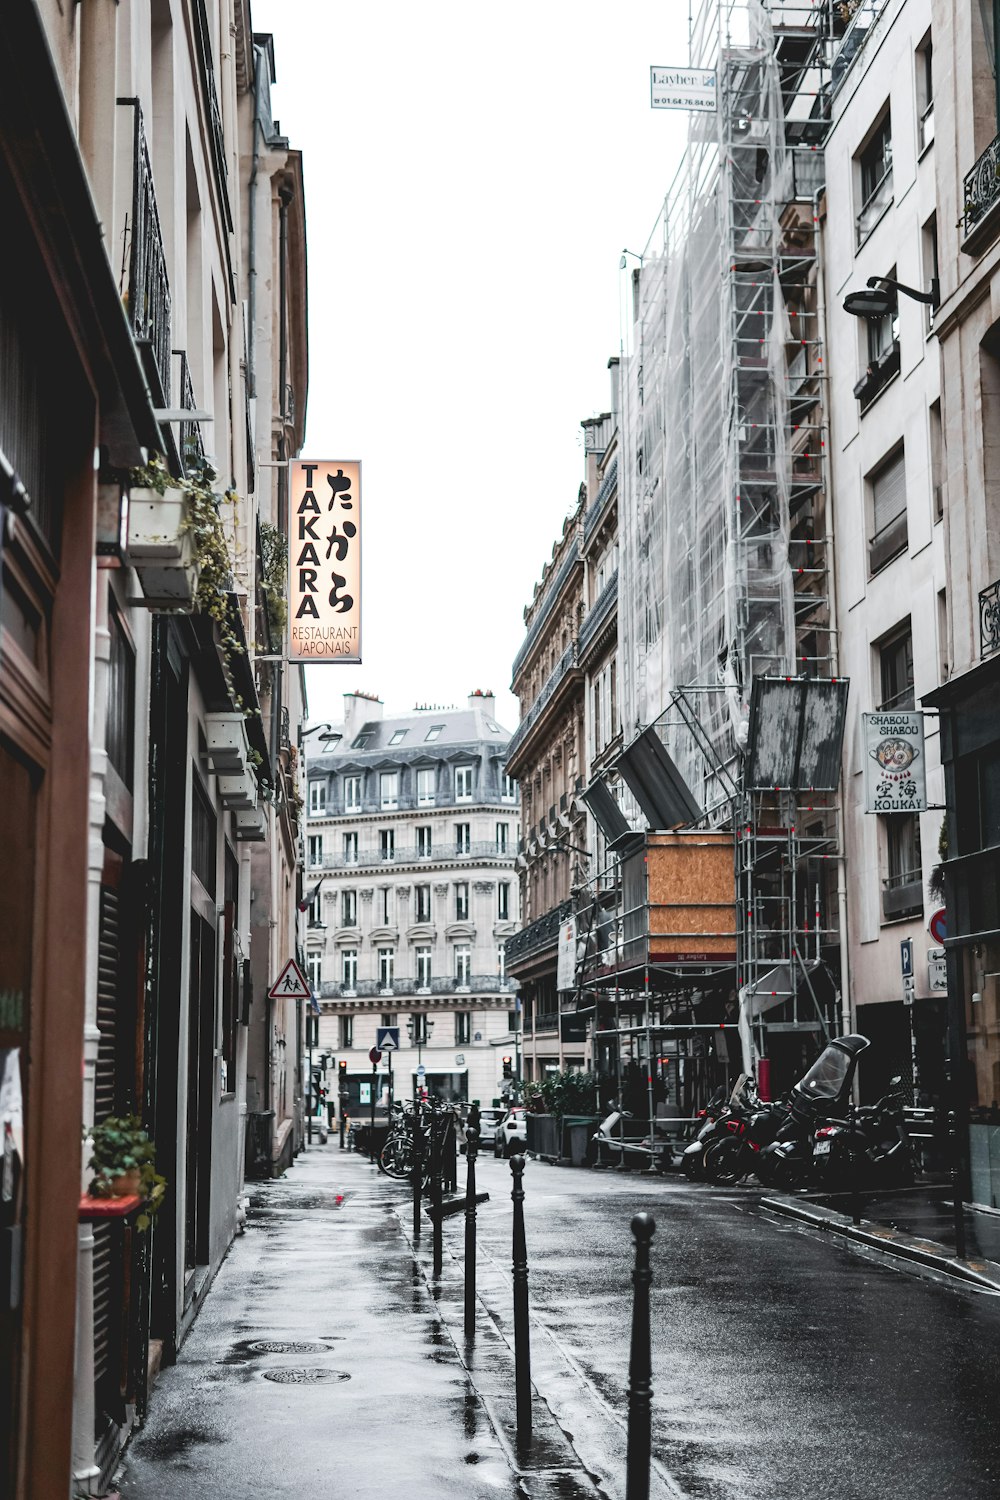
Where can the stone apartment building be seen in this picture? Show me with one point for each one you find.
(145, 745)
(565, 675)
(412, 829)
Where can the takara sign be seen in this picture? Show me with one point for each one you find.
(683, 88)
(894, 763)
(324, 561)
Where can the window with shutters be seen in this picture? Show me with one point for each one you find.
(887, 487)
(202, 836)
(422, 903)
(121, 700)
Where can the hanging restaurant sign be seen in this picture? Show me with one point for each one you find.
(683, 88)
(895, 780)
(324, 561)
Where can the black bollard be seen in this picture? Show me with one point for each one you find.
(436, 1216)
(418, 1169)
(471, 1143)
(522, 1336)
(640, 1368)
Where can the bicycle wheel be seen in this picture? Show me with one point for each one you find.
(396, 1157)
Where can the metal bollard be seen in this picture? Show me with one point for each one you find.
(436, 1191)
(471, 1144)
(522, 1335)
(640, 1368)
(418, 1169)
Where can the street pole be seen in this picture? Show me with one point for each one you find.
(436, 1145)
(522, 1332)
(640, 1368)
(471, 1143)
(312, 1102)
(417, 1168)
(371, 1139)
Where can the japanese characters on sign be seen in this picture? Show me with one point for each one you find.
(894, 762)
(324, 561)
(683, 88)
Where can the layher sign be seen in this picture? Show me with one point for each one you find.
(324, 560)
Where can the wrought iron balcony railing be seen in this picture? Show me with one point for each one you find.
(537, 934)
(147, 296)
(567, 661)
(206, 70)
(368, 989)
(369, 859)
(982, 188)
(599, 615)
(192, 442)
(989, 619)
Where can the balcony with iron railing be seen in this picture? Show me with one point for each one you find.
(596, 511)
(538, 934)
(206, 72)
(981, 199)
(405, 801)
(369, 859)
(600, 613)
(864, 15)
(436, 990)
(989, 619)
(551, 591)
(192, 443)
(560, 671)
(147, 293)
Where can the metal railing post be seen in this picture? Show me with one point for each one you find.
(522, 1335)
(418, 1169)
(436, 1146)
(471, 1144)
(640, 1368)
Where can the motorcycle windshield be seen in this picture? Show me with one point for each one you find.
(828, 1075)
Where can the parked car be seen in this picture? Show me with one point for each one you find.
(512, 1132)
(489, 1124)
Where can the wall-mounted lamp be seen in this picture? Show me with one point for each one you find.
(878, 302)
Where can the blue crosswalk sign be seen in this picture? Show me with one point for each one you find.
(387, 1038)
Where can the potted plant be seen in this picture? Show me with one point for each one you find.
(122, 1159)
(161, 546)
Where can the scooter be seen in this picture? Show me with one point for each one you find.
(655, 1152)
(735, 1154)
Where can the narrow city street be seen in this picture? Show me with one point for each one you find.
(784, 1364)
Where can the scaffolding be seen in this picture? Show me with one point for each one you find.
(723, 536)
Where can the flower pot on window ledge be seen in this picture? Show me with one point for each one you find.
(157, 526)
(228, 746)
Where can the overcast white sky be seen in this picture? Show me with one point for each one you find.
(472, 175)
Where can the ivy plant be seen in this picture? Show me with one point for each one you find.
(119, 1145)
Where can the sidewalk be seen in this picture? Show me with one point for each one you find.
(326, 1361)
(917, 1224)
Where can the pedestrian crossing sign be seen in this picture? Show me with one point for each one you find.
(387, 1038)
(291, 984)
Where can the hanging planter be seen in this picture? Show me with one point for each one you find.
(239, 792)
(250, 826)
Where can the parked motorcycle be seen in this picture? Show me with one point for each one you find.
(869, 1150)
(820, 1097)
(720, 1109)
(736, 1153)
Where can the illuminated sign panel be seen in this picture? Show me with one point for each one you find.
(324, 560)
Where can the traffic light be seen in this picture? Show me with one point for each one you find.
(342, 1076)
(508, 1071)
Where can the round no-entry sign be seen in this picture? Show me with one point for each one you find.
(375, 1055)
(938, 925)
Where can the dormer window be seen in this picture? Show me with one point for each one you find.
(388, 784)
(433, 732)
(363, 740)
(399, 736)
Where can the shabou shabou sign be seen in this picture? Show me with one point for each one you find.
(895, 780)
(324, 560)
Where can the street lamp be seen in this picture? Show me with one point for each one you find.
(331, 736)
(880, 298)
(419, 1035)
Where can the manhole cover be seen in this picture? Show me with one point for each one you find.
(304, 1376)
(284, 1346)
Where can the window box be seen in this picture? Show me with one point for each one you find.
(228, 747)
(240, 792)
(161, 549)
(250, 826)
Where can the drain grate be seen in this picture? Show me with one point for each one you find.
(292, 1376)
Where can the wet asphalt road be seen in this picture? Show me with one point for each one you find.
(784, 1365)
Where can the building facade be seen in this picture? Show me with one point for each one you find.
(886, 455)
(547, 757)
(967, 110)
(412, 829)
(143, 742)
